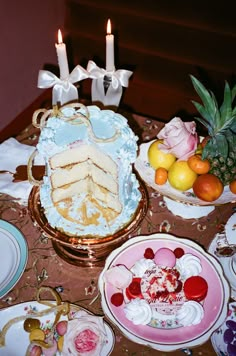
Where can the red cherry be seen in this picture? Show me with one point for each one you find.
(134, 289)
(149, 254)
(179, 252)
(117, 299)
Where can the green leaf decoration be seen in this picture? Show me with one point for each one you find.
(205, 96)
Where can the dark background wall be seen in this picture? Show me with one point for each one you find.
(161, 41)
(28, 30)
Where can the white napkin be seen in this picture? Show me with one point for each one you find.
(13, 154)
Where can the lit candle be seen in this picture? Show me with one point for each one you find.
(109, 48)
(62, 57)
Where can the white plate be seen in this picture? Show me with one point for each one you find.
(228, 264)
(147, 173)
(17, 339)
(217, 338)
(215, 303)
(230, 229)
(13, 256)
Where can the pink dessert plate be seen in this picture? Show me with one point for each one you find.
(168, 337)
(147, 173)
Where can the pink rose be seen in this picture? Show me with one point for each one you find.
(85, 335)
(179, 138)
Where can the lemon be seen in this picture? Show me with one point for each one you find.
(158, 158)
(181, 176)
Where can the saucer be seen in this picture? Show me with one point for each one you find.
(230, 229)
(228, 264)
(221, 337)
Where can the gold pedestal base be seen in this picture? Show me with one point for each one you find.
(86, 251)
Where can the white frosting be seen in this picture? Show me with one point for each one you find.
(118, 276)
(59, 135)
(138, 311)
(188, 265)
(140, 267)
(191, 313)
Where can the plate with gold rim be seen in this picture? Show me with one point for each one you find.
(167, 339)
(17, 339)
(147, 173)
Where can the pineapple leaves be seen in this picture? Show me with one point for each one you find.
(233, 93)
(226, 107)
(211, 112)
(222, 146)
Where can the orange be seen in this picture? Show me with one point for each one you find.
(161, 175)
(232, 186)
(199, 165)
(208, 187)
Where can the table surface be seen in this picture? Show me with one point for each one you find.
(78, 285)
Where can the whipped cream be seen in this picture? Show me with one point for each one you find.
(138, 311)
(191, 313)
(118, 276)
(141, 266)
(188, 265)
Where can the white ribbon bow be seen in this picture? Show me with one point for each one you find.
(63, 89)
(119, 79)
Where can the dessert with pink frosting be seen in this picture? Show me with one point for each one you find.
(164, 287)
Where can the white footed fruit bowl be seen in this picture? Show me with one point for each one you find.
(184, 204)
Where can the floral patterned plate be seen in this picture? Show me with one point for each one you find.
(147, 173)
(224, 339)
(167, 337)
(17, 339)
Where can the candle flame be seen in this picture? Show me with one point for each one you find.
(60, 40)
(108, 27)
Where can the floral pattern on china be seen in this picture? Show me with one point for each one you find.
(54, 328)
(161, 290)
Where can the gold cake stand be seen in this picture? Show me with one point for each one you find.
(88, 250)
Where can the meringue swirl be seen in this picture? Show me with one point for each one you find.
(138, 311)
(188, 266)
(140, 267)
(191, 313)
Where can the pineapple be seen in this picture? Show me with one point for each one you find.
(220, 148)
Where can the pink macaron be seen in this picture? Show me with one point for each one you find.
(165, 257)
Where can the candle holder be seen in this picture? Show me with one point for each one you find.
(107, 85)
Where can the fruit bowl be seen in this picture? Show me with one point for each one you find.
(147, 173)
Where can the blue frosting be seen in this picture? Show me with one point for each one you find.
(59, 135)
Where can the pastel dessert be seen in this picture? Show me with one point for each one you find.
(89, 188)
(166, 286)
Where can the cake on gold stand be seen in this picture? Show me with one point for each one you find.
(86, 251)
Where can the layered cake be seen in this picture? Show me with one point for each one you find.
(162, 289)
(89, 188)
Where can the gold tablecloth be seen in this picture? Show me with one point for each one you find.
(78, 285)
